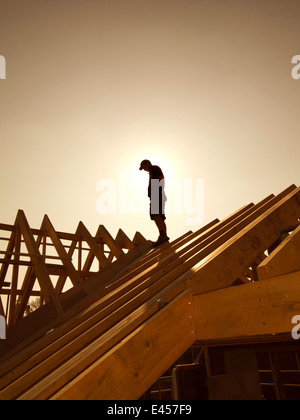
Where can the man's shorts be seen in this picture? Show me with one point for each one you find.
(158, 209)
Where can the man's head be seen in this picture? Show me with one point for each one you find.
(145, 165)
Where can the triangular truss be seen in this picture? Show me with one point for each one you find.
(41, 263)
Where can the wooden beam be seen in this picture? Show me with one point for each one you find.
(20, 292)
(138, 239)
(253, 309)
(8, 257)
(26, 292)
(131, 367)
(38, 263)
(228, 261)
(284, 259)
(77, 338)
(62, 235)
(94, 247)
(110, 242)
(63, 275)
(194, 247)
(123, 240)
(65, 258)
(15, 276)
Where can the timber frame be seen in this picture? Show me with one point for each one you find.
(45, 280)
(232, 282)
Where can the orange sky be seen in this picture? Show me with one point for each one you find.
(203, 88)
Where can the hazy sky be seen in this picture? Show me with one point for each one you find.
(201, 87)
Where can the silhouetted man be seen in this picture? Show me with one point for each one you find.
(156, 193)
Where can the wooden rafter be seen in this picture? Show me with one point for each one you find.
(247, 242)
(285, 259)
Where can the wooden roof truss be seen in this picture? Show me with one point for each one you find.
(114, 333)
(49, 259)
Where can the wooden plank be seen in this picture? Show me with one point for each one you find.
(72, 273)
(110, 242)
(155, 254)
(26, 292)
(77, 338)
(131, 367)
(7, 227)
(94, 247)
(20, 292)
(165, 260)
(7, 258)
(109, 300)
(123, 240)
(174, 265)
(15, 275)
(138, 239)
(64, 275)
(93, 321)
(224, 264)
(213, 230)
(62, 235)
(77, 364)
(284, 259)
(170, 253)
(193, 251)
(38, 263)
(254, 309)
(59, 350)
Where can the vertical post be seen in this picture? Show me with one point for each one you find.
(5, 265)
(4, 269)
(15, 276)
(79, 255)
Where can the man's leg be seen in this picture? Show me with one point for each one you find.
(161, 225)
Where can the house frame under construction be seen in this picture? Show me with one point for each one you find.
(214, 314)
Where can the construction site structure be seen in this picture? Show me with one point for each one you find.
(214, 314)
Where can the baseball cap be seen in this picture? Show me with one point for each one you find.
(145, 161)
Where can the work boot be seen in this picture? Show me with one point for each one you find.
(161, 239)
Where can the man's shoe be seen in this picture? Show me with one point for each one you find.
(161, 239)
